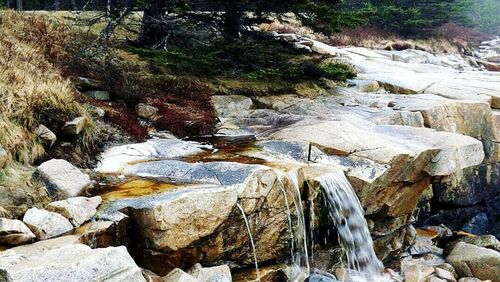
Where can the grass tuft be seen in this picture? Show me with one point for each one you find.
(33, 90)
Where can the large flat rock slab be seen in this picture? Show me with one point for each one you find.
(70, 263)
(422, 149)
(421, 73)
(224, 173)
(115, 159)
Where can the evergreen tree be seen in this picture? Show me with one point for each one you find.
(408, 17)
(483, 14)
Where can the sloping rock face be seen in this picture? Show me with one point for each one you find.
(446, 95)
(70, 263)
(425, 76)
(383, 142)
(201, 222)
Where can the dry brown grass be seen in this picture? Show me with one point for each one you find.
(32, 88)
(364, 36)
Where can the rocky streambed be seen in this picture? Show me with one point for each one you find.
(277, 193)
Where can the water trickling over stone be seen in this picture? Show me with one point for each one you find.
(301, 257)
(298, 247)
(289, 217)
(347, 214)
(247, 224)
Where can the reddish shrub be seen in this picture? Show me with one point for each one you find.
(126, 119)
(185, 107)
(460, 36)
(187, 118)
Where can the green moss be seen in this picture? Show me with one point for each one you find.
(337, 71)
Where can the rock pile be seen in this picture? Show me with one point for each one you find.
(489, 54)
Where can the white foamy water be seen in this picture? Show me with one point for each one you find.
(301, 255)
(354, 236)
(298, 247)
(247, 224)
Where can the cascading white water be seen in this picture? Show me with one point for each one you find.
(289, 216)
(301, 255)
(250, 236)
(311, 229)
(298, 250)
(354, 236)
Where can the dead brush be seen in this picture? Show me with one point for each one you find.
(447, 39)
(32, 88)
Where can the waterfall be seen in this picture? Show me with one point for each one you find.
(289, 216)
(251, 239)
(298, 249)
(311, 229)
(301, 256)
(354, 236)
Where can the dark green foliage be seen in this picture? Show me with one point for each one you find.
(408, 17)
(246, 57)
(328, 17)
(337, 71)
(397, 18)
(483, 14)
(251, 58)
(332, 70)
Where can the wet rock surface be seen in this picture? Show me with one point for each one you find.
(115, 159)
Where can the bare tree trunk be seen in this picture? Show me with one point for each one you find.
(153, 29)
(233, 13)
(19, 5)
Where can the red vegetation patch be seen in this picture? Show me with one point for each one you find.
(184, 118)
(460, 35)
(126, 119)
(184, 105)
